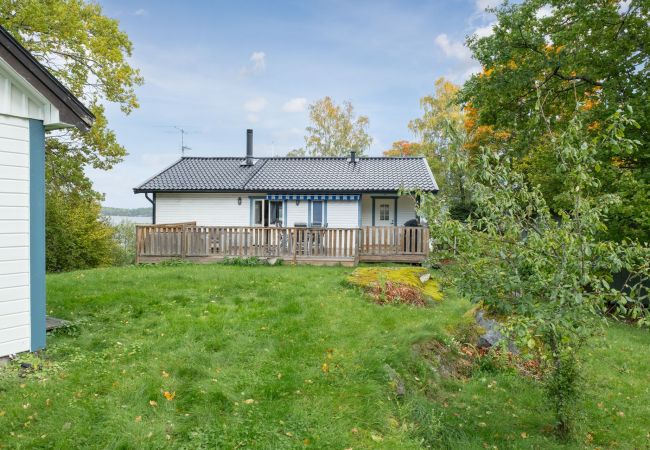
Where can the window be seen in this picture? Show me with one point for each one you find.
(275, 213)
(384, 212)
(317, 214)
(259, 209)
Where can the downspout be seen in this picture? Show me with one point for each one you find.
(153, 206)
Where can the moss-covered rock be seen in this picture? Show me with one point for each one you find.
(373, 278)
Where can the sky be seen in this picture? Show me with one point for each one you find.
(216, 68)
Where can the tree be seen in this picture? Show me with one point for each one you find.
(76, 236)
(334, 130)
(445, 141)
(88, 53)
(548, 277)
(442, 111)
(404, 148)
(543, 57)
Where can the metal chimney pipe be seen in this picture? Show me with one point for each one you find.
(353, 157)
(249, 147)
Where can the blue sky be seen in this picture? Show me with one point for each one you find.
(217, 68)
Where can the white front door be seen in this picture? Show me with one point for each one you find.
(384, 212)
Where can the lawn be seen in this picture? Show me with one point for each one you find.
(285, 357)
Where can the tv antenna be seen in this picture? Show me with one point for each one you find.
(183, 146)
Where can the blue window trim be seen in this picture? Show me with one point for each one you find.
(384, 197)
(310, 213)
(37, 233)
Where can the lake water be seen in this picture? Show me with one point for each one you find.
(115, 220)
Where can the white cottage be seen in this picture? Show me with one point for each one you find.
(32, 101)
(334, 192)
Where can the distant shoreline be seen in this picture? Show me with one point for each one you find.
(126, 212)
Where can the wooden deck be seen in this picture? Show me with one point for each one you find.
(347, 246)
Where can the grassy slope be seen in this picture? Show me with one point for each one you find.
(229, 334)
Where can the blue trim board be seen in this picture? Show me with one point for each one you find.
(37, 233)
(325, 213)
(359, 212)
(284, 213)
(309, 213)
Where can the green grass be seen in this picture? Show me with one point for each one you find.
(244, 348)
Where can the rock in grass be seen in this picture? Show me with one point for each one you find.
(492, 335)
(425, 277)
(395, 380)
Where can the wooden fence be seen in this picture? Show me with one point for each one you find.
(310, 245)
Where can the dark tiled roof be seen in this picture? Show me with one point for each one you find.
(293, 174)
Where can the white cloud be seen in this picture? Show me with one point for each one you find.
(485, 31)
(141, 12)
(453, 49)
(256, 104)
(544, 11)
(297, 104)
(257, 64)
(252, 118)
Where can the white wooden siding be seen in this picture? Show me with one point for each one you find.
(14, 234)
(204, 209)
(405, 209)
(342, 214)
(366, 210)
(20, 99)
(296, 213)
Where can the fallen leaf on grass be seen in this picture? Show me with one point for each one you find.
(355, 430)
(153, 403)
(249, 401)
(138, 419)
(524, 435)
(325, 368)
(165, 374)
(376, 437)
(169, 395)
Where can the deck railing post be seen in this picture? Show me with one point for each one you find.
(183, 244)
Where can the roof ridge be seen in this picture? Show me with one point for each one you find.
(252, 175)
(341, 158)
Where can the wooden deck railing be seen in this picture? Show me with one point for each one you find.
(317, 245)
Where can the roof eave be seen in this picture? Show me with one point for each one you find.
(72, 111)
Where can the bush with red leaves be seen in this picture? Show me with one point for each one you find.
(392, 292)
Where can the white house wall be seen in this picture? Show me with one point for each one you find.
(204, 209)
(223, 210)
(297, 213)
(14, 235)
(405, 208)
(342, 214)
(18, 98)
